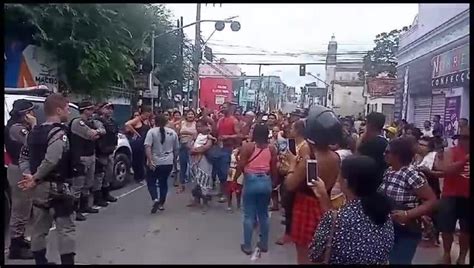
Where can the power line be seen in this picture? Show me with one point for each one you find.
(290, 54)
(286, 63)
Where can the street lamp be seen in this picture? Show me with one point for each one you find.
(219, 26)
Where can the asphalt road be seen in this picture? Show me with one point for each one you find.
(126, 233)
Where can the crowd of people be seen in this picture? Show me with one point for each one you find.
(384, 180)
(379, 190)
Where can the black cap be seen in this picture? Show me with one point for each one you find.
(84, 105)
(22, 106)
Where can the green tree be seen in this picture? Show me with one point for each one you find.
(97, 44)
(383, 57)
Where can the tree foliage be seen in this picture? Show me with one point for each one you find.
(383, 57)
(99, 44)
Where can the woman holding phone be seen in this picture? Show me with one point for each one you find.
(322, 128)
(296, 142)
(258, 160)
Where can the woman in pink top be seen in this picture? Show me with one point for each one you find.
(258, 161)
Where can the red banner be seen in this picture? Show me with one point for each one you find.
(378, 87)
(213, 92)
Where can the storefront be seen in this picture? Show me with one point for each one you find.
(435, 84)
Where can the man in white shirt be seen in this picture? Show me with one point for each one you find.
(427, 129)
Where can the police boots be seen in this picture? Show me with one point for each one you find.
(40, 257)
(106, 195)
(20, 249)
(85, 208)
(67, 259)
(77, 208)
(98, 200)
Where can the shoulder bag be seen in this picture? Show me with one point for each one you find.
(326, 256)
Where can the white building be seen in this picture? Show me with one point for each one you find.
(433, 66)
(345, 93)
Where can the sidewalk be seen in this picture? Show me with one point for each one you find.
(433, 255)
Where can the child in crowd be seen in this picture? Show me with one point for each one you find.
(234, 187)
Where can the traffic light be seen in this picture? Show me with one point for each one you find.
(302, 70)
(208, 53)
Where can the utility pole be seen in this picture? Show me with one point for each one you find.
(257, 103)
(197, 57)
(181, 60)
(152, 67)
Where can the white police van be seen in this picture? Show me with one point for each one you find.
(122, 154)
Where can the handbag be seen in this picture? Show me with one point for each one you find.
(326, 256)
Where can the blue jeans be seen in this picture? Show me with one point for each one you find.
(183, 163)
(161, 173)
(256, 198)
(404, 247)
(221, 168)
(138, 158)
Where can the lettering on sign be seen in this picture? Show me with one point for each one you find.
(451, 80)
(451, 68)
(41, 80)
(450, 62)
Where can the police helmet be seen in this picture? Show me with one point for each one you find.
(322, 126)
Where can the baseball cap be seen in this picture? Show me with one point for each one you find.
(392, 130)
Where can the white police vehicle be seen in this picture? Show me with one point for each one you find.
(122, 154)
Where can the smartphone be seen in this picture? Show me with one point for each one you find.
(292, 146)
(311, 171)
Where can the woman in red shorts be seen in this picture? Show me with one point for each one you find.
(321, 129)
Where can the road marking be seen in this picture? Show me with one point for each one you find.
(131, 191)
(118, 197)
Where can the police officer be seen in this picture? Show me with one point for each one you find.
(18, 126)
(45, 164)
(84, 133)
(105, 147)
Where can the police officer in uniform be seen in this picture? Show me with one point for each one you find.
(18, 126)
(45, 164)
(105, 147)
(84, 133)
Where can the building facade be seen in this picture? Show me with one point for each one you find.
(433, 68)
(345, 92)
(379, 93)
(266, 93)
(315, 95)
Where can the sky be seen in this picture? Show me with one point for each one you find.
(293, 28)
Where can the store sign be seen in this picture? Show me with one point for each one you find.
(451, 80)
(451, 69)
(213, 92)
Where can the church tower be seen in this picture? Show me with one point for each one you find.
(331, 60)
(331, 57)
